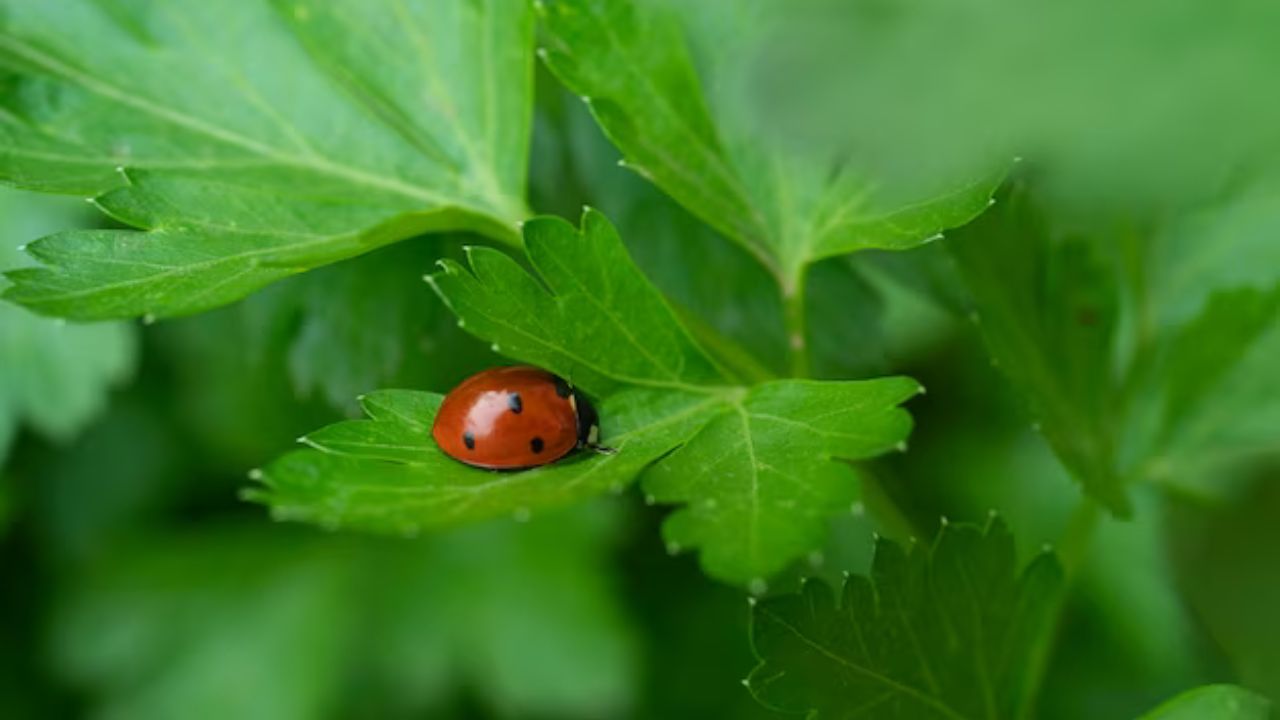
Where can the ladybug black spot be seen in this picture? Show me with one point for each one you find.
(562, 388)
(469, 440)
(514, 402)
(536, 445)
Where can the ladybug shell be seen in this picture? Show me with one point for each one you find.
(512, 417)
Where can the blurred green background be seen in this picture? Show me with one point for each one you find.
(135, 584)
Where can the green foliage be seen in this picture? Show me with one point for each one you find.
(237, 635)
(754, 465)
(242, 177)
(788, 169)
(950, 631)
(630, 62)
(1116, 373)
(53, 376)
(1213, 702)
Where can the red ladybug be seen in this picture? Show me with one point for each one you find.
(509, 418)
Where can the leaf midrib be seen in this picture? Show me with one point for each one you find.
(317, 163)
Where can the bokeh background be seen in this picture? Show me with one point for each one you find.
(134, 582)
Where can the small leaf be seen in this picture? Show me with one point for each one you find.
(950, 631)
(256, 142)
(631, 63)
(54, 376)
(1213, 702)
(756, 464)
(759, 482)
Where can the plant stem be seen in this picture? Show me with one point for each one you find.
(793, 301)
(1078, 537)
(1073, 549)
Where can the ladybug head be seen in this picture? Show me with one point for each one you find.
(588, 420)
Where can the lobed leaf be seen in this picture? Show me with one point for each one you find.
(1127, 380)
(54, 377)
(632, 63)
(256, 140)
(950, 631)
(757, 466)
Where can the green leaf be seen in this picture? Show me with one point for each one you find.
(1213, 702)
(256, 140)
(54, 377)
(365, 323)
(755, 464)
(950, 631)
(631, 63)
(1048, 309)
(1127, 381)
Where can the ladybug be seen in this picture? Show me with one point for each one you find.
(510, 418)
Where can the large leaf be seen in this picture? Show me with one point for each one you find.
(685, 126)
(1213, 702)
(951, 631)
(256, 140)
(755, 464)
(53, 376)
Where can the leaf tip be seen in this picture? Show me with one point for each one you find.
(901, 446)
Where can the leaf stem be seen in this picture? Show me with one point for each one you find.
(1073, 549)
(793, 301)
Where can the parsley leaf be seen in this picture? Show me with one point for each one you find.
(949, 631)
(755, 465)
(53, 376)
(631, 62)
(1142, 355)
(256, 140)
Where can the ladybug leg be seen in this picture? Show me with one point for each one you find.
(602, 449)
